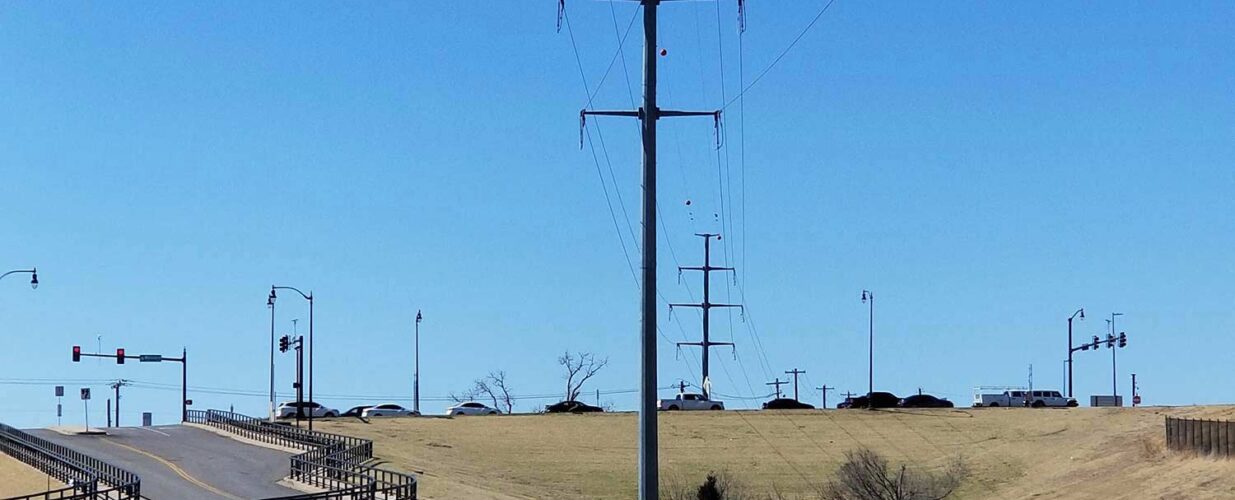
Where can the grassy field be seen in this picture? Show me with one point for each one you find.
(1012, 453)
(17, 478)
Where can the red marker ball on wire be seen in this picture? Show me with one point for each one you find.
(663, 52)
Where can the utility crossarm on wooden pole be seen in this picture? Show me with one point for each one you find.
(117, 385)
(777, 383)
(706, 306)
(795, 372)
(825, 390)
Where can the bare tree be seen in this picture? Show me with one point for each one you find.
(499, 389)
(579, 368)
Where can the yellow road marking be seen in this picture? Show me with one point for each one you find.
(175, 468)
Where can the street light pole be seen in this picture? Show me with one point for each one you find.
(33, 272)
(868, 295)
(308, 297)
(416, 375)
(1081, 312)
(270, 304)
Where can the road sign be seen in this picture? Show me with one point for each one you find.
(60, 391)
(85, 393)
(188, 402)
(1136, 400)
(150, 358)
(59, 410)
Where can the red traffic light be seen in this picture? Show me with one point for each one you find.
(76, 353)
(120, 356)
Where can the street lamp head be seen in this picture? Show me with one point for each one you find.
(418, 316)
(270, 300)
(34, 278)
(1082, 313)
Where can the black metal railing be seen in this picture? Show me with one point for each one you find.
(89, 477)
(332, 461)
(1207, 437)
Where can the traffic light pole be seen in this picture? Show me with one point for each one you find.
(120, 356)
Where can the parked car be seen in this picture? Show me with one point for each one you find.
(1017, 397)
(472, 408)
(288, 410)
(876, 400)
(689, 401)
(387, 410)
(572, 407)
(355, 411)
(925, 401)
(787, 404)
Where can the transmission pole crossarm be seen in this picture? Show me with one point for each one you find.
(670, 306)
(703, 268)
(610, 112)
(674, 113)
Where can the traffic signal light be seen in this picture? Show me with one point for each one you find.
(1110, 341)
(76, 353)
(120, 356)
(284, 342)
(1123, 339)
(1084, 347)
(1095, 342)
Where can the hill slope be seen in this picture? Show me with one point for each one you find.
(1012, 453)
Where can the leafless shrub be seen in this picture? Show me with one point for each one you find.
(865, 475)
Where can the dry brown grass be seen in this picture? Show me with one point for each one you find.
(1011, 453)
(17, 478)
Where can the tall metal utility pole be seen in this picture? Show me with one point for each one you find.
(706, 306)
(825, 389)
(648, 115)
(416, 376)
(795, 372)
(777, 383)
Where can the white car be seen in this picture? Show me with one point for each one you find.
(386, 410)
(688, 401)
(472, 408)
(1022, 398)
(288, 410)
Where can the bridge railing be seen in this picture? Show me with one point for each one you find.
(332, 461)
(90, 477)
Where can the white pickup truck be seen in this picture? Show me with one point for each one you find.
(1022, 398)
(688, 401)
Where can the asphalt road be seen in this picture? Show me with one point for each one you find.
(185, 463)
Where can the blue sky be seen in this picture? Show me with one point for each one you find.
(985, 169)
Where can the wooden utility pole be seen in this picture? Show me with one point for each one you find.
(795, 372)
(825, 389)
(777, 383)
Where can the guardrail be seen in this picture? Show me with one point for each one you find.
(89, 477)
(1209, 437)
(331, 461)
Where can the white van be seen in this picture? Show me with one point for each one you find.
(1022, 398)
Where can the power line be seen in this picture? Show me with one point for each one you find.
(782, 53)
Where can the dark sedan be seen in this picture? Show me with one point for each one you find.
(876, 400)
(787, 404)
(925, 401)
(572, 407)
